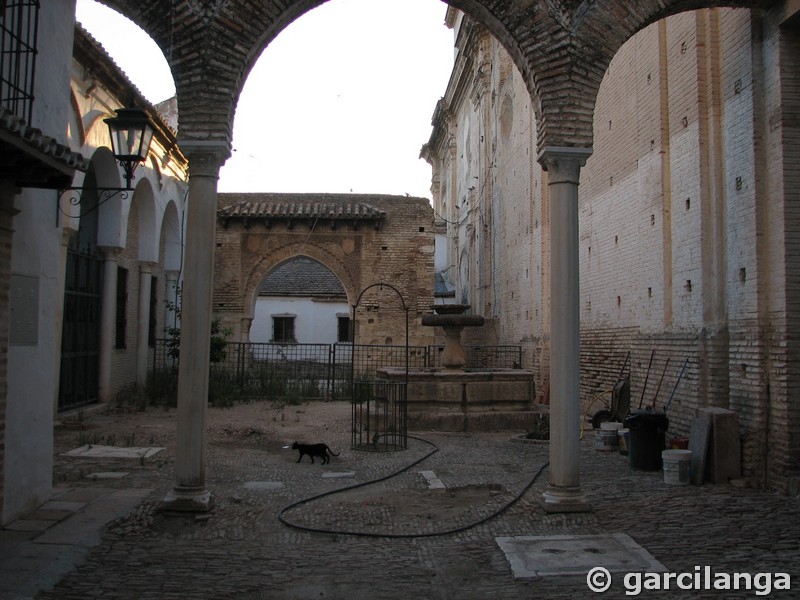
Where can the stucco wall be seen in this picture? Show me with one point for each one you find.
(37, 254)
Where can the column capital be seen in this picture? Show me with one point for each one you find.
(563, 164)
(111, 253)
(205, 156)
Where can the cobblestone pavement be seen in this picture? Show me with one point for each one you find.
(242, 550)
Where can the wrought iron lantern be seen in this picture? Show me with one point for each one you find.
(131, 133)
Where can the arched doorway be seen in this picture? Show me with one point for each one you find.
(301, 301)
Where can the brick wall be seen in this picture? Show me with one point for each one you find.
(400, 255)
(790, 78)
(685, 244)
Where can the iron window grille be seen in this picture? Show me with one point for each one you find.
(19, 23)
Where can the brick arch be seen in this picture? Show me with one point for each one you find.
(561, 47)
(260, 269)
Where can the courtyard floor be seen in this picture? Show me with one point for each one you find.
(462, 523)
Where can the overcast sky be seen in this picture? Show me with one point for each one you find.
(341, 101)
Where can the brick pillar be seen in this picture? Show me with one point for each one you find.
(564, 494)
(189, 493)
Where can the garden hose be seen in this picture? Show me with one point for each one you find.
(283, 519)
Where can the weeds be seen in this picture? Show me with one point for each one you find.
(130, 399)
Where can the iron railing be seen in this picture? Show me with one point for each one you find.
(482, 357)
(323, 371)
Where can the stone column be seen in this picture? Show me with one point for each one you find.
(247, 323)
(564, 494)
(189, 492)
(143, 324)
(108, 325)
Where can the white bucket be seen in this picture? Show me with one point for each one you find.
(606, 440)
(611, 425)
(677, 466)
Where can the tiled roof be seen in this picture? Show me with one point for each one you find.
(31, 159)
(302, 276)
(311, 208)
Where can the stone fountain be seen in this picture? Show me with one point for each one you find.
(452, 319)
(459, 398)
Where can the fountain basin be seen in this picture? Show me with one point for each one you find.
(452, 320)
(469, 399)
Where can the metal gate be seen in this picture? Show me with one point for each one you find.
(380, 412)
(80, 341)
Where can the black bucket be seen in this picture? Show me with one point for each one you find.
(647, 433)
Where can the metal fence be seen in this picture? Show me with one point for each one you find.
(362, 361)
(482, 357)
(319, 371)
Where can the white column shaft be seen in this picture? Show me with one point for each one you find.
(143, 324)
(108, 315)
(189, 492)
(564, 493)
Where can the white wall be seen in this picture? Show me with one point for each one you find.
(315, 322)
(441, 255)
(37, 254)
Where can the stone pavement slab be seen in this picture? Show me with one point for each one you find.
(543, 556)
(95, 451)
(52, 548)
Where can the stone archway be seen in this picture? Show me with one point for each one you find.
(362, 239)
(301, 301)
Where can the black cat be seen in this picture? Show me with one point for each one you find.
(320, 450)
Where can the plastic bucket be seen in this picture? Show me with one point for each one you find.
(606, 440)
(677, 466)
(647, 428)
(611, 425)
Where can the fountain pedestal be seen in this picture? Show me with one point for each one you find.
(450, 317)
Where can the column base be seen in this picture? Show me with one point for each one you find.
(187, 501)
(564, 500)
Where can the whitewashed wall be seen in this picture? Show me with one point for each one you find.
(36, 256)
(315, 322)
